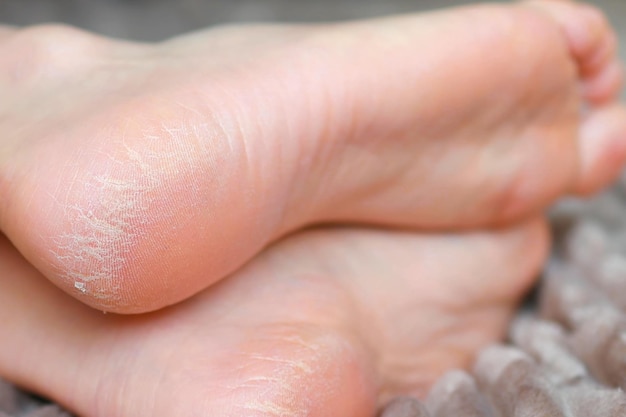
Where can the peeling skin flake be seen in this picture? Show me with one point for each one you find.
(80, 286)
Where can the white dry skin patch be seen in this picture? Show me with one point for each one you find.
(100, 239)
(96, 249)
(279, 394)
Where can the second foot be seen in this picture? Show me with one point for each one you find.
(134, 176)
(326, 323)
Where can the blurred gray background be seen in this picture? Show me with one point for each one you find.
(151, 20)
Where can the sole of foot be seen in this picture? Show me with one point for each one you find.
(329, 322)
(134, 176)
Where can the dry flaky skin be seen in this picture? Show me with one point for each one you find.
(597, 345)
(566, 358)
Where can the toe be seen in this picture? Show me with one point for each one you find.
(605, 55)
(584, 26)
(592, 43)
(602, 147)
(605, 86)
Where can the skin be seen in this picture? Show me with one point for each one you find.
(134, 176)
(327, 321)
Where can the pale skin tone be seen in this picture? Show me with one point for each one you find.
(134, 176)
(329, 322)
(128, 168)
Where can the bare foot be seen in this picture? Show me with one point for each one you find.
(134, 176)
(324, 323)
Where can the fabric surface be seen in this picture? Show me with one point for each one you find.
(17, 403)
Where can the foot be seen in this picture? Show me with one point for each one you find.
(122, 163)
(325, 323)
